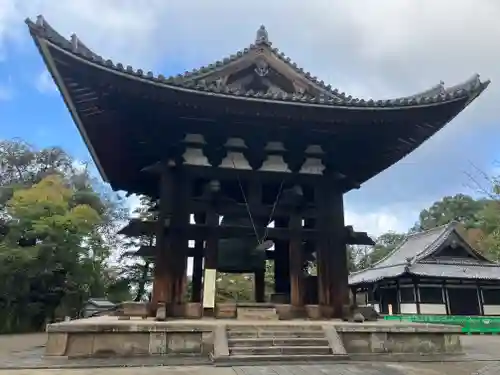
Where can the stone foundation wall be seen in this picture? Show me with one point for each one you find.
(401, 342)
(126, 344)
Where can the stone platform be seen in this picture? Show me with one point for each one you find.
(244, 341)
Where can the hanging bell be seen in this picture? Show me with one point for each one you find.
(241, 254)
(265, 245)
(293, 196)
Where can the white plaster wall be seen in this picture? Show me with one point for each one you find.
(408, 308)
(491, 310)
(434, 308)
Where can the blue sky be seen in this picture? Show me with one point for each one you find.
(381, 49)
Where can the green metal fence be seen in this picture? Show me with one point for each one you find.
(469, 324)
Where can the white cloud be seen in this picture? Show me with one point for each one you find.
(6, 92)
(44, 83)
(379, 222)
(374, 48)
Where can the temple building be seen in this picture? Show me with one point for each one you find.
(432, 272)
(252, 138)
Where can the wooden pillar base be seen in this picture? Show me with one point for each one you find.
(290, 312)
(209, 312)
(328, 312)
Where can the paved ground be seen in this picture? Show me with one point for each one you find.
(335, 369)
(483, 358)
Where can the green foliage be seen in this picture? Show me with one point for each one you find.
(461, 208)
(54, 237)
(137, 272)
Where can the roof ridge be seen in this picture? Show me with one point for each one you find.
(42, 30)
(445, 231)
(262, 40)
(426, 231)
(406, 239)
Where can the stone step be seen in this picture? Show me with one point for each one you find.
(245, 360)
(274, 327)
(282, 341)
(273, 333)
(279, 350)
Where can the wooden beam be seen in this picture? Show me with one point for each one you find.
(201, 231)
(258, 210)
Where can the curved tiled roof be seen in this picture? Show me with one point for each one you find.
(469, 89)
(410, 257)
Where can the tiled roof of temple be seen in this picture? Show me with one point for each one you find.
(194, 81)
(416, 255)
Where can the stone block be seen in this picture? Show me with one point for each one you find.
(79, 345)
(193, 310)
(161, 312)
(225, 310)
(424, 343)
(158, 343)
(220, 343)
(130, 308)
(207, 343)
(288, 312)
(313, 312)
(120, 344)
(184, 342)
(327, 312)
(368, 313)
(334, 340)
(378, 342)
(176, 310)
(56, 344)
(452, 343)
(257, 313)
(356, 342)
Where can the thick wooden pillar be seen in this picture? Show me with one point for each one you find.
(162, 276)
(296, 261)
(332, 267)
(281, 263)
(196, 283)
(179, 221)
(260, 286)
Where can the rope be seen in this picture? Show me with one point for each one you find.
(272, 211)
(275, 204)
(246, 203)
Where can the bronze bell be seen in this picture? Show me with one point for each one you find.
(242, 254)
(293, 196)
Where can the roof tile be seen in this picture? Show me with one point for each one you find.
(469, 89)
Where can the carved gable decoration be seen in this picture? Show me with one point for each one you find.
(259, 68)
(455, 246)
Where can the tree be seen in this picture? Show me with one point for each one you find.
(54, 271)
(461, 208)
(57, 230)
(136, 271)
(384, 244)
